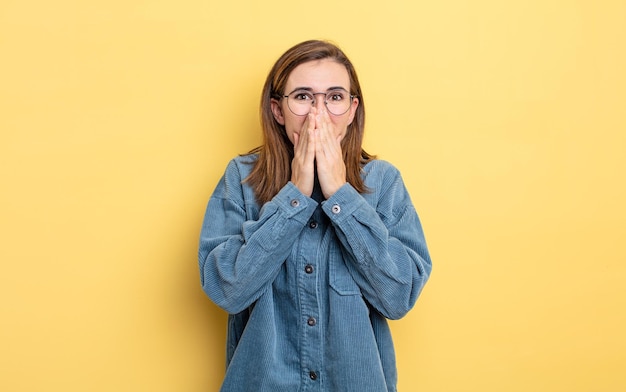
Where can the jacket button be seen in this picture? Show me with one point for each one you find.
(313, 224)
(308, 269)
(311, 321)
(313, 375)
(295, 203)
(336, 209)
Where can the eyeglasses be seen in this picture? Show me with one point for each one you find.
(337, 101)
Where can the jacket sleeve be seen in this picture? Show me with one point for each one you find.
(384, 244)
(239, 258)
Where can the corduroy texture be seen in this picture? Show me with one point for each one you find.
(309, 283)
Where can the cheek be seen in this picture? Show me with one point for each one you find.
(293, 124)
(341, 125)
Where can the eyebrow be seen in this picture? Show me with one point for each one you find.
(311, 90)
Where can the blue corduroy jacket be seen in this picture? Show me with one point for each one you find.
(310, 283)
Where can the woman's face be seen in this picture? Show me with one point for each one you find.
(318, 76)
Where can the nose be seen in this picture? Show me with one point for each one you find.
(320, 101)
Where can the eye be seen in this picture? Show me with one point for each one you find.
(336, 96)
(302, 96)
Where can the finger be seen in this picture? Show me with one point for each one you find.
(328, 127)
(322, 121)
(309, 133)
(312, 120)
(329, 143)
(296, 140)
(302, 137)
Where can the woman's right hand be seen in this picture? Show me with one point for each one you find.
(303, 163)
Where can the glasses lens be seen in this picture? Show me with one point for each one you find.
(300, 102)
(338, 101)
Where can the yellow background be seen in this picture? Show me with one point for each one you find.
(507, 120)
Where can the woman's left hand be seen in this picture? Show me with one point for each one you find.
(331, 169)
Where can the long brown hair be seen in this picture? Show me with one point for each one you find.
(272, 169)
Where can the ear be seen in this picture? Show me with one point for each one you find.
(354, 105)
(277, 111)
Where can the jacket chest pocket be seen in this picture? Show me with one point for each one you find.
(340, 278)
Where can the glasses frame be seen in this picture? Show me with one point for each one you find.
(325, 100)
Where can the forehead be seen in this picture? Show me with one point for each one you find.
(319, 75)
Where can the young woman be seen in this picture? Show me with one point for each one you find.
(310, 243)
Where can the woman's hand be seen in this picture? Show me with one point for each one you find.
(331, 169)
(303, 163)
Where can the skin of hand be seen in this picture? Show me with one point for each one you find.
(303, 163)
(318, 144)
(331, 169)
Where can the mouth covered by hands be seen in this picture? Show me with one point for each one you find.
(318, 145)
